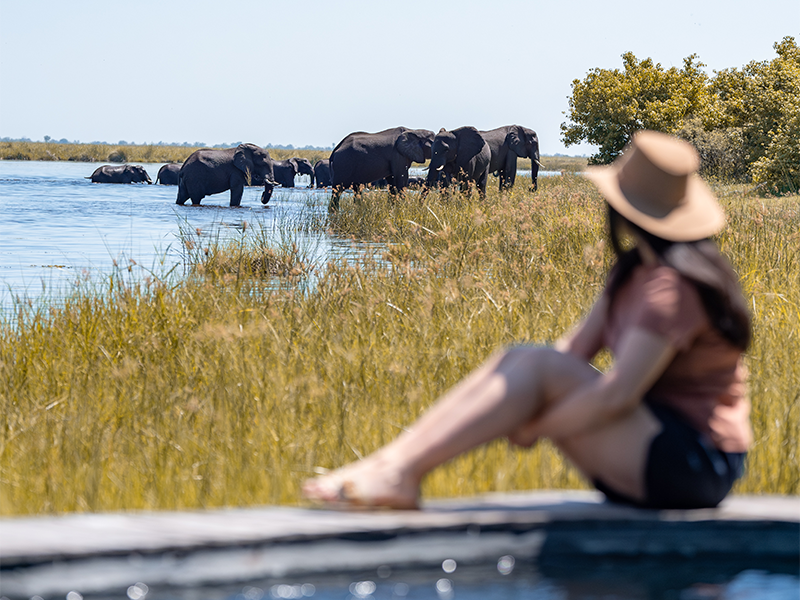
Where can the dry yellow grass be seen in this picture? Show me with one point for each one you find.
(142, 153)
(229, 386)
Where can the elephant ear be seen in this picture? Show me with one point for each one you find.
(516, 141)
(470, 142)
(409, 145)
(295, 165)
(243, 160)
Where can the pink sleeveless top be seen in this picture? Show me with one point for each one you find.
(706, 380)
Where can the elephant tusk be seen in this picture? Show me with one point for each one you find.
(440, 168)
(540, 164)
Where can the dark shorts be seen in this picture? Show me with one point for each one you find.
(684, 469)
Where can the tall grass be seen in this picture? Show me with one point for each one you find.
(231, 385)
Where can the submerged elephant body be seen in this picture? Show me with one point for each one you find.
(322, 173)
(120, 174)
(286, 170)
(208, 172)
(507, 144)
(361, 158)
(461, 156)
(168, 174)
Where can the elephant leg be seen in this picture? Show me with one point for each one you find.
(183, 196)
(481, 183)
(507, 178)
(237, 189)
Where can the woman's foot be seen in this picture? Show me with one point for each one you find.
(369, 483)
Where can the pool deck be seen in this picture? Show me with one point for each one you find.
(100, 552)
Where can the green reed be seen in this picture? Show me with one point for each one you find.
(231, 384)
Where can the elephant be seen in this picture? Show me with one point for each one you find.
(120, 174)
(460, 155)
(208, 172)
(507, 143)
(168, 174)
(285, 171)
(361, 158)
(322, 173)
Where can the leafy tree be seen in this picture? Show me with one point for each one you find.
(763, 100)
(759, 97)
(608, 106)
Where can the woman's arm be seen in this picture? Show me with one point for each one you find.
(586, 339)
(643, 357)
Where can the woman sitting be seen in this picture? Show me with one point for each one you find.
(668, 425)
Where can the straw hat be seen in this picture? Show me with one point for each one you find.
(654, 185)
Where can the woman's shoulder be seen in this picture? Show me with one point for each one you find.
(670, 303)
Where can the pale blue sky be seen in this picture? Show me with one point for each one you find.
(311, 72)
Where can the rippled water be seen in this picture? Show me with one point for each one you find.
(568, 579)
(56, 226)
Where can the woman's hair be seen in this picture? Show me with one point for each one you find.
(701, 263)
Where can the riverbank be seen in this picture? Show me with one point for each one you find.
(151, 153)
(229, 385)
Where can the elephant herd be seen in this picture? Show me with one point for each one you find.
(463, 156)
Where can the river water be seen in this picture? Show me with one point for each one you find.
(57, 227)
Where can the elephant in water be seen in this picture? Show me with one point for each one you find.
(322, 173)
(460, 155)
(208, 172)
(168, 174)
(286, 170)
(361, 158)
(507, 143)
(120, 174)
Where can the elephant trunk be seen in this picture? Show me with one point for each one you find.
(267, 193)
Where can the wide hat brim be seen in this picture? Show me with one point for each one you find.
(692, 213)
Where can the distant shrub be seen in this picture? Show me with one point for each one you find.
(779, 168)
(722, 151)
(117, 156)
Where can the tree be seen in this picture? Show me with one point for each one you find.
(758, 97)
(763, 100)
(608, 106)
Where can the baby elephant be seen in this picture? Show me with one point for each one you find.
(120, 174)
(168, 174)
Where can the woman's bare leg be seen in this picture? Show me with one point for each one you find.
(508, 390)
